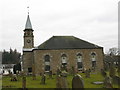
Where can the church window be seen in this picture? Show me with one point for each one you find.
(47, 67)
(47, 62)
(64, 60)
(93, 58)
(47, 58)
(79, 61)
(30, 69)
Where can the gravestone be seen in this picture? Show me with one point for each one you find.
(103, 73)
(112, 71)
(50, 74)
(118, 71)
(58, 71)
(64, 83)
(106, 66)
(14, 78)
(23, 82)
(17, 72)
(108, 82)
(116, 81)
(87, 73)
(64, 73)
(43, 79)
(33, 72)
(58, 81)
(77, 82)
(22, 73)
(61, 82)
(73, 70)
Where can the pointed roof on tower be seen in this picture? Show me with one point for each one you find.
(28, 23)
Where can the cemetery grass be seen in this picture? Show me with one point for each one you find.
(50, 83)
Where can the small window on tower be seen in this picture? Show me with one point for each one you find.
(28, 33)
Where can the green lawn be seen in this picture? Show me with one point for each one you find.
(51, 83)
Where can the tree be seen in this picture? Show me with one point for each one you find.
(11, 57)
(114, 51)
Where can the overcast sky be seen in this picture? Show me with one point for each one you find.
(95, 21)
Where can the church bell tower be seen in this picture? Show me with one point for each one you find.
(28, 35)
(28, 47)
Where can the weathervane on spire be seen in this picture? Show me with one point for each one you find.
(28, 10)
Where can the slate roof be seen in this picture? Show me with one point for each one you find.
(66, 42)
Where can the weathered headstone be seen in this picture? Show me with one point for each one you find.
(58, 71)
(87, 73)
(118, 70)
(43, 79)
(116, 81)
(14, 78)
(23, 82)
(64, 73)
(58, 81)
(106, 66)
(61, 82)
(64, 82)
(103, 73)
(33, 72)
(50, 74)
(73, 70)
(17, 72)
(108, 82)
(77, 82)
(112, 71)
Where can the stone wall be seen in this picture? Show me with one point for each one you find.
(55, 59)
(27, 60)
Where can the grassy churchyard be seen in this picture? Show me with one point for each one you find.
(50, 83)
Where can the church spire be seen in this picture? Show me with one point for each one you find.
(28, 22)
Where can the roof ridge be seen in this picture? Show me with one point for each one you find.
(62, 42)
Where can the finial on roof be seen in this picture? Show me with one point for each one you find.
(28, 10)
(28, 22)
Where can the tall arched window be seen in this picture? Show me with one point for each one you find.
(64, 60)
(47, 62)
(47, 58)
(79, 61)
(93, 58)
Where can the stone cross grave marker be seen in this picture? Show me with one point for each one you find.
(77, 82)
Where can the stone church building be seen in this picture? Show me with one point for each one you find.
(59, 52)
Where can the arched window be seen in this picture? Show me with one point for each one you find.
(93, 58)
(79, 61)
(47, 58)
(64, 60)
(47, 62)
